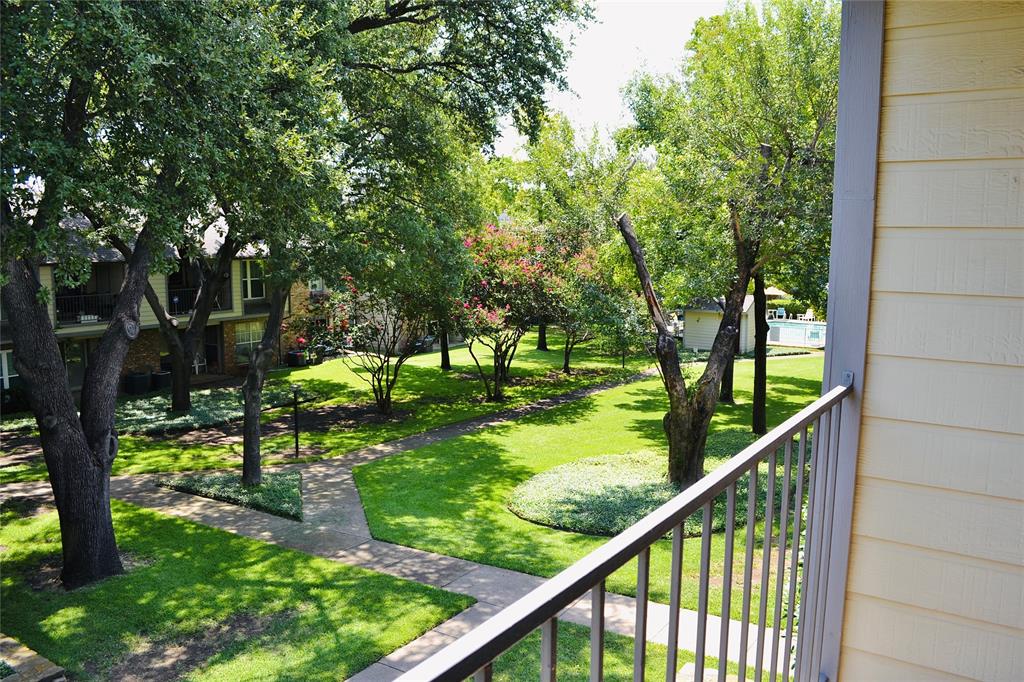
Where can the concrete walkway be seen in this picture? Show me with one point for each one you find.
(335, 527)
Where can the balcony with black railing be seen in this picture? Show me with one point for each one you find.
(78, 308)
(181, 300)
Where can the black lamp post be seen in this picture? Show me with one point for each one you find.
(295, 415)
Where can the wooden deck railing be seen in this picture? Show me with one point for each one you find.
(806, 443)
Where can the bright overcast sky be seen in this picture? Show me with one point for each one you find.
(626, 36)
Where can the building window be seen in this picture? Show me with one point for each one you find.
(247, 337)
(8, 375)
(316, 284)
(252, 279)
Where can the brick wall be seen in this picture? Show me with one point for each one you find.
(144, 353)
(299, 299)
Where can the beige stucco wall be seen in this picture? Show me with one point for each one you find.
(936, 576)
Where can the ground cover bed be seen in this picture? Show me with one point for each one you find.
(202, 604)
(280, 493)
(452, 497)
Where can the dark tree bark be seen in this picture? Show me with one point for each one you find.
(446, 359)
(252, 388)
(79, 448)
(566, 354)
(726, 394)
(760, 407)
(542, 336)
(690, 409)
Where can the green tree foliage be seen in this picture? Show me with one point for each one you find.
(504, 293)
(744, 140)
(280, 122)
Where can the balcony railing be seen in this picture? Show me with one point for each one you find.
(807, 445)
(181, 300)
(84, 308)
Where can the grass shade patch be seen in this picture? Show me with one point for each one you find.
(318, 619)
(607, 494)
(280, 493)
(452, 497)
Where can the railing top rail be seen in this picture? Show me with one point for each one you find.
(465, 656)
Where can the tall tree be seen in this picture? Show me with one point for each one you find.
(750, 126)
(99, 119)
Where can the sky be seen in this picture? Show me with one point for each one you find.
(626, 36)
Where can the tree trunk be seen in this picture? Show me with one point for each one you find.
(446, 360)
(690, 412)
(252, 388)
(181, 380)
(566, 353)
(78, 449)
(726, 394)
(182, 345)
(542, 336)
(687, 434)
(760, 407)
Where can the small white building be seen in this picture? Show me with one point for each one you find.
(701, 322)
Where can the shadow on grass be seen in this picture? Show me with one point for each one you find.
(200, 577)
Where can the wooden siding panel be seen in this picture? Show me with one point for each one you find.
(924, 12)
(983, 330)
(979, 462)
(952, 393)
(921, 129)
(989, 528)
(46, 281)
(957, 585)
(979, 60)
(932, 640)
(147, 318)
(862, 665)
(954, 194)
(700, 329)
(941, 261)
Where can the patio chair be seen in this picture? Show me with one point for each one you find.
(808, 316)
(780, 313)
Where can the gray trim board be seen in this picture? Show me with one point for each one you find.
(853, 223)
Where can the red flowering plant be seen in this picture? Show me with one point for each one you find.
(502, 297)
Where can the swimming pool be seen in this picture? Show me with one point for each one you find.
(796, 333)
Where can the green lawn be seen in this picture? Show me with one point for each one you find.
(256, 611)
(426, 396)
(451, 497)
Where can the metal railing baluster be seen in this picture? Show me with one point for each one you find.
(780, 571)
(798, 506)
(549, 650)
(675, 587)
(702, 597)
(818, 474)
(484, 674)
(597, 633)
(643, 577)
(730, 530)
(766, 567)
(748, 568)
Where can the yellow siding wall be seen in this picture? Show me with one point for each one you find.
(936, 581)
(701, 327)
